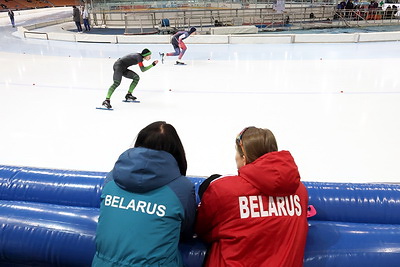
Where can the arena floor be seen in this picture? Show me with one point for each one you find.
(334, 106)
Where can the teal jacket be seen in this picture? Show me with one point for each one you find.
(146, 207)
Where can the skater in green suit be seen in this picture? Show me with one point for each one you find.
(121, 69)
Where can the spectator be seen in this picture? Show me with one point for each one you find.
(342, 5)
(349, 4)
(373, 5)
(259, 216)
(218, 23)
(77, 18)
(147, 203)
(388, 13)
(85, 17)
(11, 15)
(394, 11)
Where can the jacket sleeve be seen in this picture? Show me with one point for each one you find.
(207, 221)
(187, 229)
(184, 190)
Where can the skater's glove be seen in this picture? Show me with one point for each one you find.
(154, 62)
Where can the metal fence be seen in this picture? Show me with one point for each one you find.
(130, 5)
(266, 19)
(205, 17)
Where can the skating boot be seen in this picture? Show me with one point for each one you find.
(179, 63)
(107, 104)
(130, 97)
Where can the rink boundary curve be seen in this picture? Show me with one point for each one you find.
(39, 31)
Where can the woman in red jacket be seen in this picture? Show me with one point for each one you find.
(258, 217)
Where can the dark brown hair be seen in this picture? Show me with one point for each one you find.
(160, 135)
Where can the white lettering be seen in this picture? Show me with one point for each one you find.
(121, 204)
(107, 200)
(264, 213)
(141, 206)
(281, 206)
(131, 205)
(148, 211)
(243, 206)
(297, 204)
(289, 205)
(114, 202)
(272, 206)
(253, 206)
(161, 210)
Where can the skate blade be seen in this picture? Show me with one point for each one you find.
(104, 108)
(131, 101)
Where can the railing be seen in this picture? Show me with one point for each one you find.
(264, 18)
(182, 4)
(364, 17)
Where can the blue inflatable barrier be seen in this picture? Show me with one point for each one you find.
(41, 234)
(352, 244)
(48, 218)
(359, 203)
(62, 187)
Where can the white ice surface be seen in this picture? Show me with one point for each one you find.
(335, 107)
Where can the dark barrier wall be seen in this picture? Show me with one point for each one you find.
(48, 218)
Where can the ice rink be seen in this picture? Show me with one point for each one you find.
(335, 107)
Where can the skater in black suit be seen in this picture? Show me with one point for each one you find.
(121, 69)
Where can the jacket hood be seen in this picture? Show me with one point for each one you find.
(274, 174)
(141, 170)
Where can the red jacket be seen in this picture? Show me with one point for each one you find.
(257, 218)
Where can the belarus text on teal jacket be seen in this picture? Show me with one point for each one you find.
(146, 206)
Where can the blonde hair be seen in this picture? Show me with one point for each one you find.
(254, 142)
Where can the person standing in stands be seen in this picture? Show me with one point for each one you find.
(179, 46)
(259, 216)
(11, 15)
(147, 203)
(77, 18)
(85, 17)
(121, 69)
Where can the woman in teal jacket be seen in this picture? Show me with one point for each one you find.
(148, 204)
